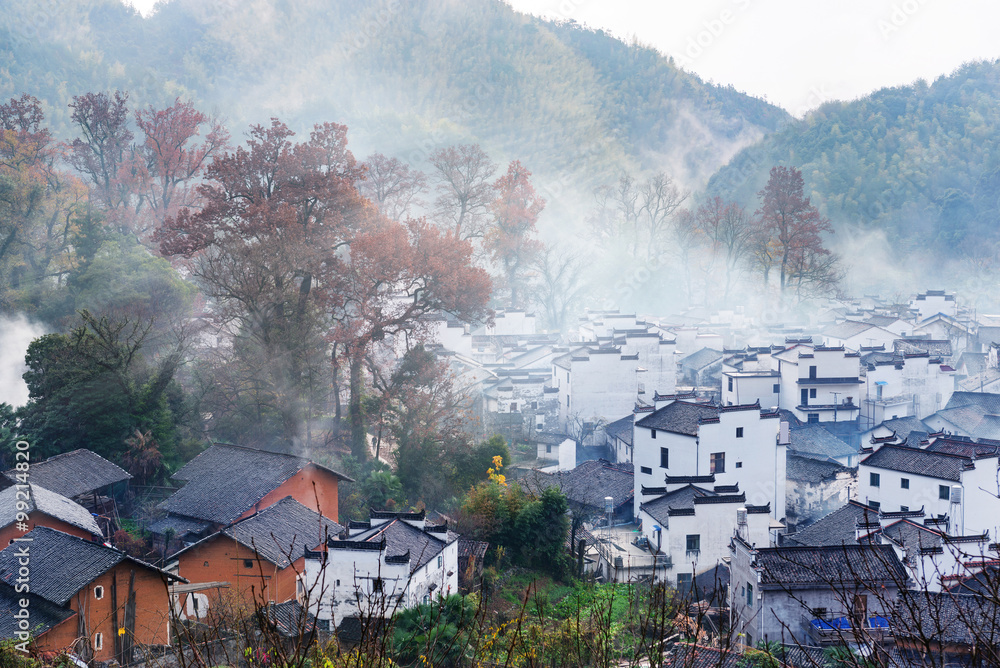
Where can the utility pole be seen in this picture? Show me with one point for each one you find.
(835, 405)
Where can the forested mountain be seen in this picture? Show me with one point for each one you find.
(919, 162)
(575, 105)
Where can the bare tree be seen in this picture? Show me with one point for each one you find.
(463, 177)
(392, 186)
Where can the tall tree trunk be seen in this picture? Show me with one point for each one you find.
(359, 445)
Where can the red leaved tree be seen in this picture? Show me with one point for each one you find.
(789, 223)
(510, 238)
(174, 158)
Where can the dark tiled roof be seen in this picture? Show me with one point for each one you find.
(911, 535)
(290, 619)
(402, 538)
(225, 481)
(965, 418)
(830, 566)
(62, 565)
(180, 526)
(814, 440)
(905, 425)
(807, 469)
(621, 429)
(48, 502)
(679, 499)
(74, 473)
(964, 446)
(985, 402)
(847, 329)
(472, 548)
(696, 656)
(44, 615)
(589, 483)
(918, 462)
(680, 417)
(961, 619)
(281, 533)
(935, 347)
(701, 359)
(837, 528)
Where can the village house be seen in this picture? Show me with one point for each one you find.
(86, 478)
(813, 440)
(747, 387)
(588, 486)
(253, 562)
(819, 383)
(740, 445)
(898, 478)
(933, 302)
(91, 593)
(972, 414)
(854, 335)
(688, 528)
(701, 368)
(392, 562)
(901, 384)
(813, 595)
(947, 629)
(226, 483)
(595, 385)
(814, 489)
(44, 509)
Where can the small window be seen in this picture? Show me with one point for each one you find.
(944, 492)
(377, 585)
(440, 561)
(98, 592)
(645, 469)
(664, 458)
(812, 372)
(683, 581)
(548, 448)
(338, 583)
(730, 389)
(776, 388)
(812, 393)
(739, 432)
(904, 483)
(874, 505)
(205, 564)
(874, 479)
(652, 433)
(693, 542)
(513, 407)
(718, 462)
(248, 563)
(534, 405)
(98, 641)
(904, 509)
(812, 417)
(739, 465)
(749, 597)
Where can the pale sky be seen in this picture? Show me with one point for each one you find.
(796, 53)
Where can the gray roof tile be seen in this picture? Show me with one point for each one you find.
(679, 417)
(62, 565)
(837, 528)
(808, 469)
(44, 615)
(48, 502)
(225, 481)
(830, 566)
(918, 462)
(814, 440)
(74, 473)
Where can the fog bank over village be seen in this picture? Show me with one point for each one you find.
(354, 334)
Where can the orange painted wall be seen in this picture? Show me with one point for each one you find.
(262, 583)
(40, 519)
(152, 618)
(300, 487)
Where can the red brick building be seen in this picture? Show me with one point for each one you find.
(87, 598)
(227, 483)
(46, 509)
(260, 557)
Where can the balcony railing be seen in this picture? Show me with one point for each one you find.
(832, 629)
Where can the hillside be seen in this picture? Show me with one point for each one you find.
(919, 162)
(575, 105)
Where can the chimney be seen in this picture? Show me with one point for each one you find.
(783, 437)
(741, 524)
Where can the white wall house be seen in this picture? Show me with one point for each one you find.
(747, 387)
(690, 529)
(391, 563)
(819, 383)
(932, 302)
(898, 478)
(739, 445)
(854, 335)
(915, 384)
(596, 385)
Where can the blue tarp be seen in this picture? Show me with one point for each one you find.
(843, 623)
